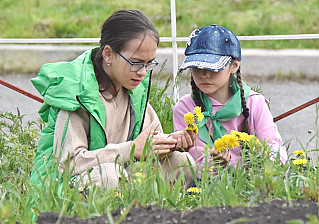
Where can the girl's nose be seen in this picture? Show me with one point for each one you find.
(205, 73)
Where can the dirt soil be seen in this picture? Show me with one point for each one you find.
(276, 211)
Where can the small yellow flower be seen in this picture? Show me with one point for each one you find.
(300, 161)
(242, 136)
(119, 194)
(195, 130)
(189, 118)
(299, 153)
(138, 174)
(230, 141)
(198, 113)
(209, 170)
(194, 190)
(220, 145)
(191, 127)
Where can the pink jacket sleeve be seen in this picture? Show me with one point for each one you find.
(262, 125)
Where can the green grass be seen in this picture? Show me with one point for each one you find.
(79, 18)
(258, 180)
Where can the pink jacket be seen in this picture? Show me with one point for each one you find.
(260, 122)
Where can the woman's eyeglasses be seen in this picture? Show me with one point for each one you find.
(136, 66)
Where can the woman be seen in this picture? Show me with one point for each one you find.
(95, 108)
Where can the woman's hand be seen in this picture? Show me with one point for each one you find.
(160, 144)
(185, 140)
(222, 158)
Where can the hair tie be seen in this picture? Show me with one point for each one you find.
(246, 113)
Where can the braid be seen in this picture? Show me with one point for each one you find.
(245, 127)
(196, 95)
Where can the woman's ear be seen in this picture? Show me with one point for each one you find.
(235, 66)
(107, 54)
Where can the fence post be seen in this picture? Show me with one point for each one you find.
(174, 49)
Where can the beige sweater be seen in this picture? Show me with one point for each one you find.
(75, 145)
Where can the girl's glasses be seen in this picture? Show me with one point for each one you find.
(135, 66)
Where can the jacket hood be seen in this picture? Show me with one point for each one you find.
(59, 83)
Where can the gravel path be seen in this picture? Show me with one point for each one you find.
(299, 127)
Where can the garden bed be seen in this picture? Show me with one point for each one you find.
(276, 211)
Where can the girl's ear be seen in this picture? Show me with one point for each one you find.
(107, 54)
(235, 66)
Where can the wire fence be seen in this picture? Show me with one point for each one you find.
(162, 39)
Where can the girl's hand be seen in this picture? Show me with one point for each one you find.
(160, 144)
(185, 140)
(222, 158)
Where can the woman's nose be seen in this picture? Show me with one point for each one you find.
(142, 72)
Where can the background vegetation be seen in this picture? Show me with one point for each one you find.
(260, 180)
(80, 18)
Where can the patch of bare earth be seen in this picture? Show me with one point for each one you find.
(276, 211)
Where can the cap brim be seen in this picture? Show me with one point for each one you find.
(210, 62)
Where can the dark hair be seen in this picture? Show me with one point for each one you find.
(117, 30)
(244, 126)
(198, 101)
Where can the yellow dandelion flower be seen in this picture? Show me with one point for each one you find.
(198, 113)
(253, 139)
(197, 110)
(230, 141)
(194, 190)
(192, 127)
(196, 130)
(257, 141)
(119, 194)
(300, 161)
(220, 145)
(242, 136)
(235, 133)
(138, 174)
(189, 118)
(209, 170)
(299, 153)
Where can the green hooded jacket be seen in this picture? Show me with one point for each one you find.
(69, 86)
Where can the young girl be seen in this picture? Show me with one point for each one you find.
(213, 54)
(96, 108)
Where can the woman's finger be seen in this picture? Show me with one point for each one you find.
(159, 150)
(157, 140)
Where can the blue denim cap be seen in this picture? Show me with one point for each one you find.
(212, 48)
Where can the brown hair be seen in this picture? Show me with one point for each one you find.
(198, 101)
(117, 30)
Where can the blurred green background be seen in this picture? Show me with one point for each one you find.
(80, 18)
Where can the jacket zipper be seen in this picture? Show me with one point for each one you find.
(147, 97)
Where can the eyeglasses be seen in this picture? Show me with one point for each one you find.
(136, 66)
